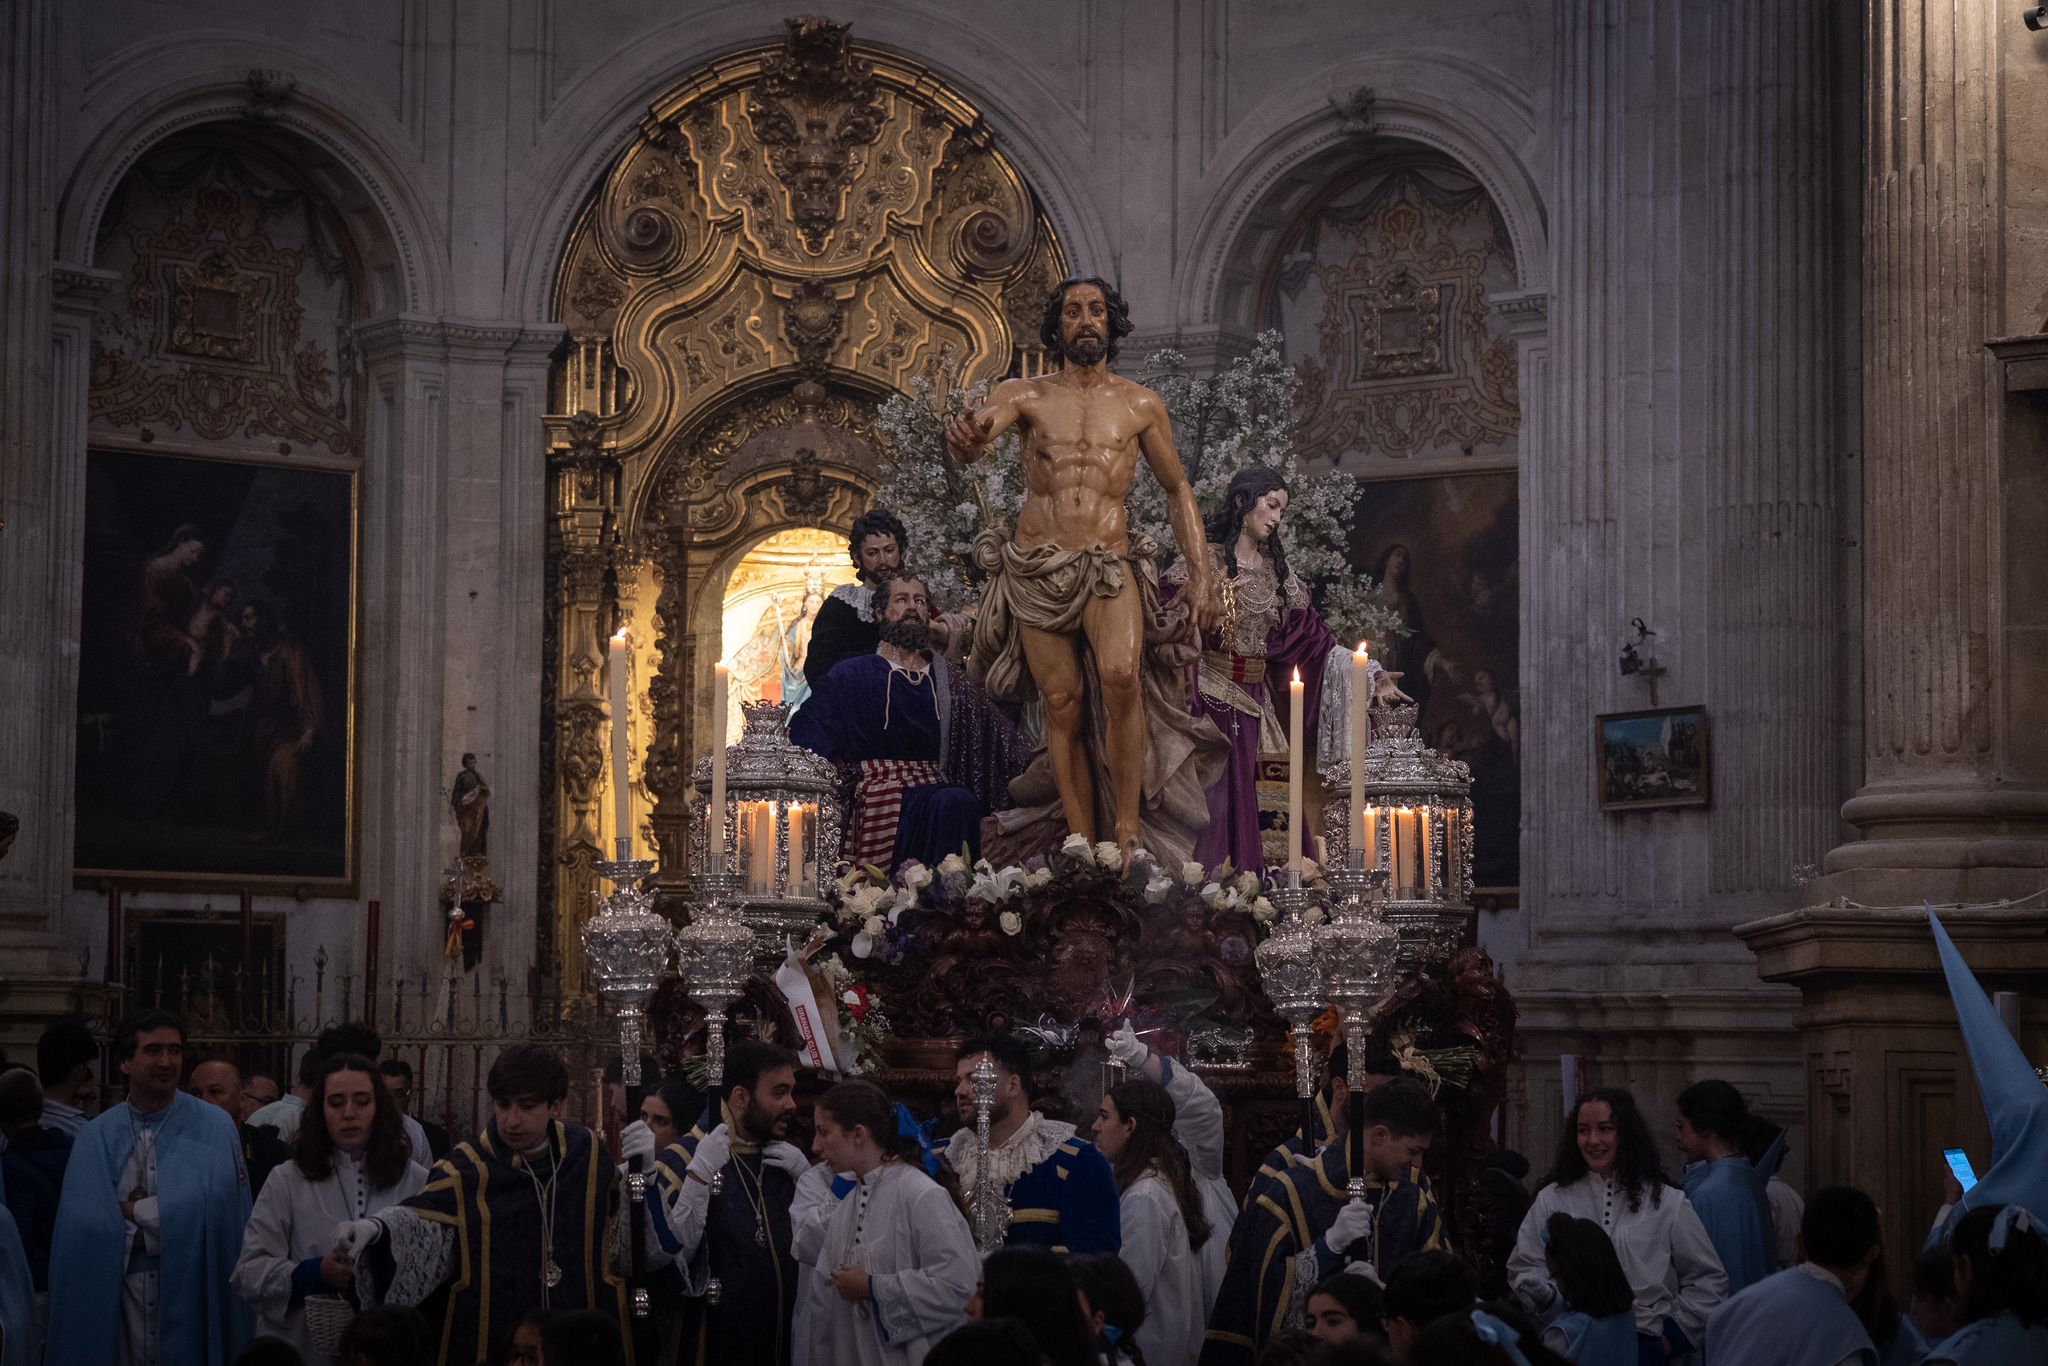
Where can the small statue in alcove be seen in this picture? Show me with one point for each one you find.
(470, 799)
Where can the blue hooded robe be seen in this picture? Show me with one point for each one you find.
(2014, 1098)
(1728, 1195)
(203, 1200)
(18, 1344)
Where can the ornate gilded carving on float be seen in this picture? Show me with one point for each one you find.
(810, 207)
(799, 230)
(232, 318)
(1392, 275)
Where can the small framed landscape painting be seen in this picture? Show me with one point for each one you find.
(1650, 759)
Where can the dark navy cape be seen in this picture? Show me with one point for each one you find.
(203, 1201)
(17, 1296)
(1284, 1218)
(757, 1285)
(484, 1193)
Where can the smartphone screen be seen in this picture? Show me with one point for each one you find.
(1959, 1163)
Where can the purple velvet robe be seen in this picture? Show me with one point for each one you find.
(1298, 639)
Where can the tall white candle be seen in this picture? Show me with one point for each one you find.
(1361, 689)
(622, 742)
(1295, 764)
(714, 830)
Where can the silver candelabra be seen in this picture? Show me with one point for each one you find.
(991, 1213)
(1356, 954)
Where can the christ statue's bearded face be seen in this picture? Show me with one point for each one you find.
(1084, 325)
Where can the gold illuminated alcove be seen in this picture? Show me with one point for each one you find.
(798, 231)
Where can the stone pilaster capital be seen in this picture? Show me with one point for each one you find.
(79, 289)
(1525, 313)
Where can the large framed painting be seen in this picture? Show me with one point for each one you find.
(1650, 759)
(1444, 553)
(217, 673)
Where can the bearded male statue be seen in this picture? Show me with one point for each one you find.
(1070, 610)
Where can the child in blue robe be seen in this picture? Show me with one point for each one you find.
(1597, 1326)
(1803, 1316)
(2002, 1279)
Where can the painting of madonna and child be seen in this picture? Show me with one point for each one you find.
(215, 680)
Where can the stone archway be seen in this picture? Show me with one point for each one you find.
(799, 230)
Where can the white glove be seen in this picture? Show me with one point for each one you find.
(1126, 1047)
(787, 1156)
(357, 1234)
(637, 1140)
(1353, 1222)
(714, 1150)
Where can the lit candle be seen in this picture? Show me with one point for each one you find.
(799, 874)
(1361, 688)
(714, 815)
(1294, 767)
(622, 745)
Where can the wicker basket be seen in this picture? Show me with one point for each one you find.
(327, 1318)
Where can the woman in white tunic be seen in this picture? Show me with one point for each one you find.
(890, 1267)
(1163, 1224)
(1198, 1128)
(1607, 1171)
(349, 1159)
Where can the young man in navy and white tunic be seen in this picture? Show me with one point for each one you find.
(1060, 1191)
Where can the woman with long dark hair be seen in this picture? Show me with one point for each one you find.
(1607, 1171)
(888, 1268)
(1161, 1213)
(1267, 629)
(349, 1159)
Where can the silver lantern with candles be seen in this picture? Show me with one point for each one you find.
(1414, 826)
(780, 829)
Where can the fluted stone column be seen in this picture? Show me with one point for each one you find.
(1953, 805)
(1679, 466)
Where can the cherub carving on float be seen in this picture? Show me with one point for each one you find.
(1070, 612)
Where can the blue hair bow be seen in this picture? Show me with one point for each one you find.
(908, 1127)
(1494, 1333)
(2009, 1218)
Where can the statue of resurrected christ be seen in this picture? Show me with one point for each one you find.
(1070, 608)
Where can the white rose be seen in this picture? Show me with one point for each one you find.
(904, 899)
(1247, 882)
(1011, 922)
(952, 863)
(874, 928)
(1156, 890)
(1213, 895)
(851, 998)
(1263, 909)
(1193, 873)
(1109, 856)
(1077, 848)
(1038, 877)
(915, 876)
